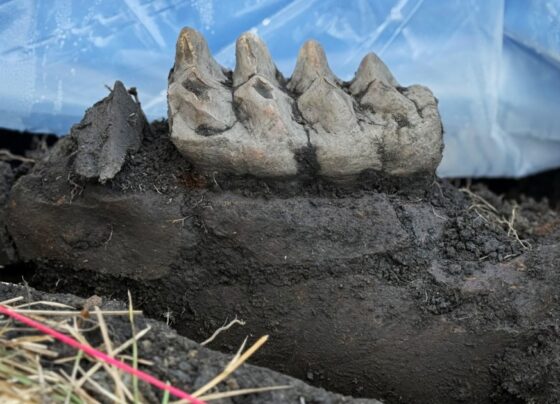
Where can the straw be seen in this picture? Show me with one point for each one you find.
(99, 355)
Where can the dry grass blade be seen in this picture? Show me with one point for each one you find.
(124, 346)
(135, 389)
(73, 375)
(71, 313)
(44, 303)
(231, 367)
(101, 390)
(25, 354)
(120, 388)
(489, 214)
(241, 392)
(12, 300)
(223, 328)
(24, 380)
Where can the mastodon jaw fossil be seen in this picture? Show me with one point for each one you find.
(255, 122)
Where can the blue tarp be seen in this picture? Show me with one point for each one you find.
(493, 64)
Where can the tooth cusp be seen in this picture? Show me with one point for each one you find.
(252, 58)
(192, 51)
(310, 65)
(371, 69)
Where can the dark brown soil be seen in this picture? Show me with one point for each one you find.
(176, 359)
(410, 297)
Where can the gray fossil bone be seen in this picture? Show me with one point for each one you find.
(109, 131)
(253, 122)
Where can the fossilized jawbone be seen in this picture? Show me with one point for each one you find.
(252, 121)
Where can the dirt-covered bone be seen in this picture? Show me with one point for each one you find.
(6, 181)
(409, 297)
(252, 121)
(110, 130)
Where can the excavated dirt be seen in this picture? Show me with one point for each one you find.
(178, 360)
(409, 297)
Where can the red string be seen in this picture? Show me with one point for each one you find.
(99, 355)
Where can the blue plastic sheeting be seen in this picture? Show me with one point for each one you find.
(493, 64)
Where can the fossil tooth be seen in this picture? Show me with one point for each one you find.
(415, 146)
(266, 112)
(252, 58)
(311, 64)
(192, 52)
(343, 148)
(324, 104)
(248, 130)
(381, 97)
(246, 123)
(371, 68)
(198, 99)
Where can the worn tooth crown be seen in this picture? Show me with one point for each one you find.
(371, 69)
(252, 58)
(248, 123)
(310, 65)
(192, 52)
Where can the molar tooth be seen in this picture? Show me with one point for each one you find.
(192, 52)
(311, 64)
(381, 97)
(249, 128)
(267, 112)
(371, 68)
(197, 98)
(343, 148)
(252, 58)
(325, 104)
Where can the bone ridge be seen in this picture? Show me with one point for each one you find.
(252, 121)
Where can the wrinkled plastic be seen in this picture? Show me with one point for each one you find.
(493, 64)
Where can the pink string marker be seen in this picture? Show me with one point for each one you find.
(100, 355)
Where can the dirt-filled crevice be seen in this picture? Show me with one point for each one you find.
(408, 295)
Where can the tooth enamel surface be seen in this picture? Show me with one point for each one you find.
(252, 58)
(371, 69)
(311, 64)
(197, 98)
(192, 51)
(417, 146)
(343, 148)
(266, 113)
(247, 123)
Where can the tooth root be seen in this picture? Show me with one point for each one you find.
(371, 68)
(311, 64)
(252, 58)
(192, 52)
